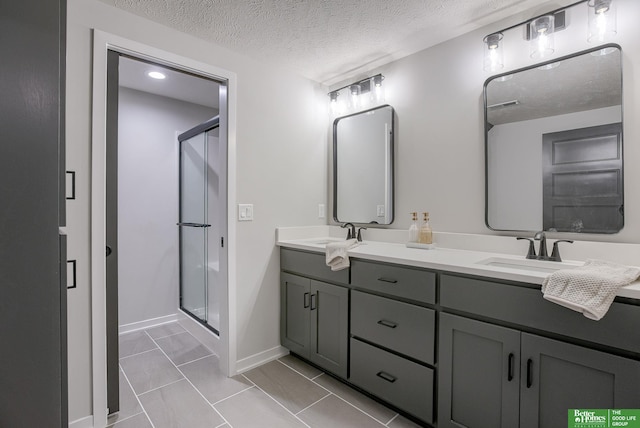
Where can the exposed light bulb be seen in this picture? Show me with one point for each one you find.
(602, 20)
(355, 95)
(541, 36)
(493, 56)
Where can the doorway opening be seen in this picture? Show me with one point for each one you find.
(147, 274)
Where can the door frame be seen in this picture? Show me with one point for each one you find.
(102, 42)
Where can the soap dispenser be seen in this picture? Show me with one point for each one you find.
(425, 235)
(413, 229)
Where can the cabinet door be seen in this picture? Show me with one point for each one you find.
(329, 327)
(556, 376)
(33, 264)
(295, 300)
(479, 379)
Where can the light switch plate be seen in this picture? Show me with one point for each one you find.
(245, 212)
(321, 211)
(380, 210)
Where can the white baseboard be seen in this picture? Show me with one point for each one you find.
(86, 422)
(261, 358)
(140, 325)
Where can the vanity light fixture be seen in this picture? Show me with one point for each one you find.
(541, 37)
(602, 20)
(493, 57)
(157, 75)
(540, 32)
(362, 93)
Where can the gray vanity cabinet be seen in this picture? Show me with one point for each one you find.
(493, 376)
(556, 376)
(314, 321)
(393, 334)
(479, 374)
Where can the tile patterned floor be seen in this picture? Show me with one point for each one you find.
(168, 379)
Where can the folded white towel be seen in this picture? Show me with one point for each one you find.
(589, 289)
(337, 258)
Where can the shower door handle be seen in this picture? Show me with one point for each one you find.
(193, 224)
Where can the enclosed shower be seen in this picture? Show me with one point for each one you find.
(201, 222)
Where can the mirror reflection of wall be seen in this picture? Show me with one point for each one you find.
(578, 93)
(363, 167)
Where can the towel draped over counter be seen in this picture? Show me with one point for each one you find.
(336, 254)
(589, 289)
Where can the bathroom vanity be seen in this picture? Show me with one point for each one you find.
(453, 342)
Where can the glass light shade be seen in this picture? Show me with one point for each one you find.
(541, 37)
(378, 89)
(493, 55)
(354, 95)
(602, 20)
(336, 104)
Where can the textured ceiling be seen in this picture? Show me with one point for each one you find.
(330, 40)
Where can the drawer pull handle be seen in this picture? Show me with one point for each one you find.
(511, 360)
(386, 323)
(306, 300)
(529, 373)
(386, 376)
(389, 280)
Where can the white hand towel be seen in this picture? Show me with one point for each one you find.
(589, 289)
(337, 258)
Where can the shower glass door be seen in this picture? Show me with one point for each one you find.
(193, 226)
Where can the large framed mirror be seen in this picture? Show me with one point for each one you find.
(553, 145)
(363, 167)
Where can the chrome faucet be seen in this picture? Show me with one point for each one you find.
(351, 232)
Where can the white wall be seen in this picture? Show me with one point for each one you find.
(148, 203)
(437, 95)
(281, 168)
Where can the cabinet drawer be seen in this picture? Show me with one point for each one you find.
(404, 328)
(311, 265)
(395, 280)
(524, 305)
(404, 384)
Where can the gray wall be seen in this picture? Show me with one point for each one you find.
(148, 201)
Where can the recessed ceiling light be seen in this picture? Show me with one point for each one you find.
(156, 75)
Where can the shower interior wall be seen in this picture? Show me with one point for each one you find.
(148, 204)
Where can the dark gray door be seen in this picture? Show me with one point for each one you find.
(582, 180)
(295, 302)
(33, 295)
(329, 338)
(478, 374)
(556, 377)
(111, 252)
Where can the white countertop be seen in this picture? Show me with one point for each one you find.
(446, 259)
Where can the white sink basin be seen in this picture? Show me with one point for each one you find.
(321, 242)
(529, 265)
